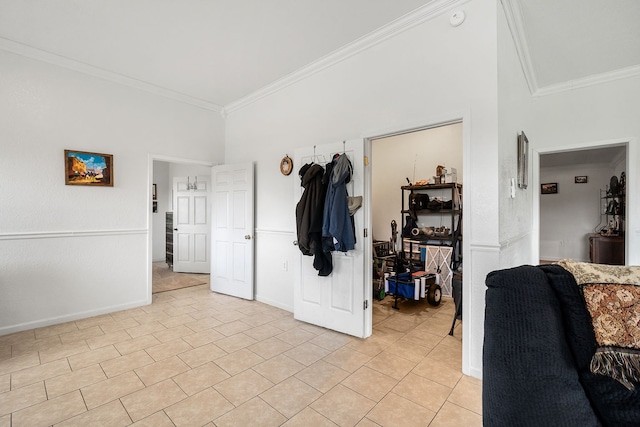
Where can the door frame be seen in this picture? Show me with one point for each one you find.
(149, 225)
(463, 117)
(631, 172)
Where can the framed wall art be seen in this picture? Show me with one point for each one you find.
(286, 165)
(523, 160)
(580, 179)
(87, 168)
(549, 188)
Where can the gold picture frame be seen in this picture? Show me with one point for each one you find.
(88, 168)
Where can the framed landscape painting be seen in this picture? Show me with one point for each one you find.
(86, 168)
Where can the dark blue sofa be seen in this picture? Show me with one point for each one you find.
(538, 344)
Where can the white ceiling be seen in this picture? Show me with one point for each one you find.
(569, 43)
(216, 52)
(593, 156)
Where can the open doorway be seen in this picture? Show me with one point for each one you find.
(397, 160)
(573, 204)
(163, 227)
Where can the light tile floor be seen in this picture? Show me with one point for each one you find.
(196, 358)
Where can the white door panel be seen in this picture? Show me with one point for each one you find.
(232, 231)
(336, 301)
(191, 227)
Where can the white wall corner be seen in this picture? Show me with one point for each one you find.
(516, 27)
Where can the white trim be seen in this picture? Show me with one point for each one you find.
(71, 317)
(71, 64)
(597, 79)
(514, 21)
(398, 26)
(276, 232)
(631, 171)
(180, 160)
(151, 159)
(438, 121)
(274, 303)
(484, 246)
(66, 234)
(516, 27)
(508, 242)
(463, 117)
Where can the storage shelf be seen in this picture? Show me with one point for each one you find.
(433, 212)
(432, 186)
(454, 215)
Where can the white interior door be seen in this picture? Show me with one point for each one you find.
(191, 229)
(232, 245)
(337, 301)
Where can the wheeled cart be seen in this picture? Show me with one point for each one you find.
(417, 285)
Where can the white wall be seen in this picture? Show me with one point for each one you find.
(68, 252)
(597, 116)
(422, 76)
(515, 114)
(412, 155)
(568, 217)
(588, 117)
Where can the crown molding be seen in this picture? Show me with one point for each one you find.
(389, 30)
(623, 73)
(516, 27)
(514, 21)
(61, 61)
(67, 234)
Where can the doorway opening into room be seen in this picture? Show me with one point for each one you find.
(419, 158)
(168, 177)
(582, 205)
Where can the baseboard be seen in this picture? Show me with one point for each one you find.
(274, 303)
(6, 330)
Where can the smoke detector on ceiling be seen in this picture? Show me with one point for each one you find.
(457, 18)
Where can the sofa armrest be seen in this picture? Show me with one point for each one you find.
(529, 377)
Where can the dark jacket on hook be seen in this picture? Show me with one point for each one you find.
(337, 229)
(309, 212)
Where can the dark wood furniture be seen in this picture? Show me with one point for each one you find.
(606, 249)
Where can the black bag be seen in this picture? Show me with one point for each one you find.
(435, 205)
(410, 225)
(418, 201)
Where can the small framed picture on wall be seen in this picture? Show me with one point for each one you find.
(549, 188)
(582, 179)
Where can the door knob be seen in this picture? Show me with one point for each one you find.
(295, 243)
(175, 229)
(247, 236)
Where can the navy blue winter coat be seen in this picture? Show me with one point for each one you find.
(337, 229)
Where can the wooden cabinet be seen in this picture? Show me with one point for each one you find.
(606, 249)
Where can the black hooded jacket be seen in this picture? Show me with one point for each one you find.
(309, 211)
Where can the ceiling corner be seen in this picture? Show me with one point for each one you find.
(71, 64)
(516, 27)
